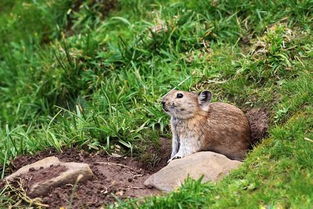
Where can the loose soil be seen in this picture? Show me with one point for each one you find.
(114, 178)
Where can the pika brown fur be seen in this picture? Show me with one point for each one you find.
(198, 125)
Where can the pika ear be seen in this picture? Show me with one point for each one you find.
(204, 98)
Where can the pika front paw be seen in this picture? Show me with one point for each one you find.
(174, 158)
(177, 157)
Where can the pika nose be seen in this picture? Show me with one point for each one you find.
(163, 103)
(164, 106)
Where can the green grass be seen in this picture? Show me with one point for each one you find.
(76, 74)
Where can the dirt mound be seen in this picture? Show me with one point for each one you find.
(114, 178)
(259, 121)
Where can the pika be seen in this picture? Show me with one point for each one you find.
(198, 125)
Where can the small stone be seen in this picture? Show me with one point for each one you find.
(212, 166)
(119, 193)
(76, 172)
(73, 173)
(116, 155)
(45, 163)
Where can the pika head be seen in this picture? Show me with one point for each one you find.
(185, 105)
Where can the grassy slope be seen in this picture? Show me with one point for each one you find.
(70, 76)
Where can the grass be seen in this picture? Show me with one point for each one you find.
(91, 74)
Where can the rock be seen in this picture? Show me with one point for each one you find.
(116, 155)
(44, 163)
(48, 173)
(75, 172)
(212, 166)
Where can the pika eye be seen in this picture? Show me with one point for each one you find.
(179, 95)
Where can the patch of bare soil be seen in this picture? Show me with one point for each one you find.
(114, 178)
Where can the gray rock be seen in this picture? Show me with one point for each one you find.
(44, 163)
(212, 166)
(76, 172)
(71, 174)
